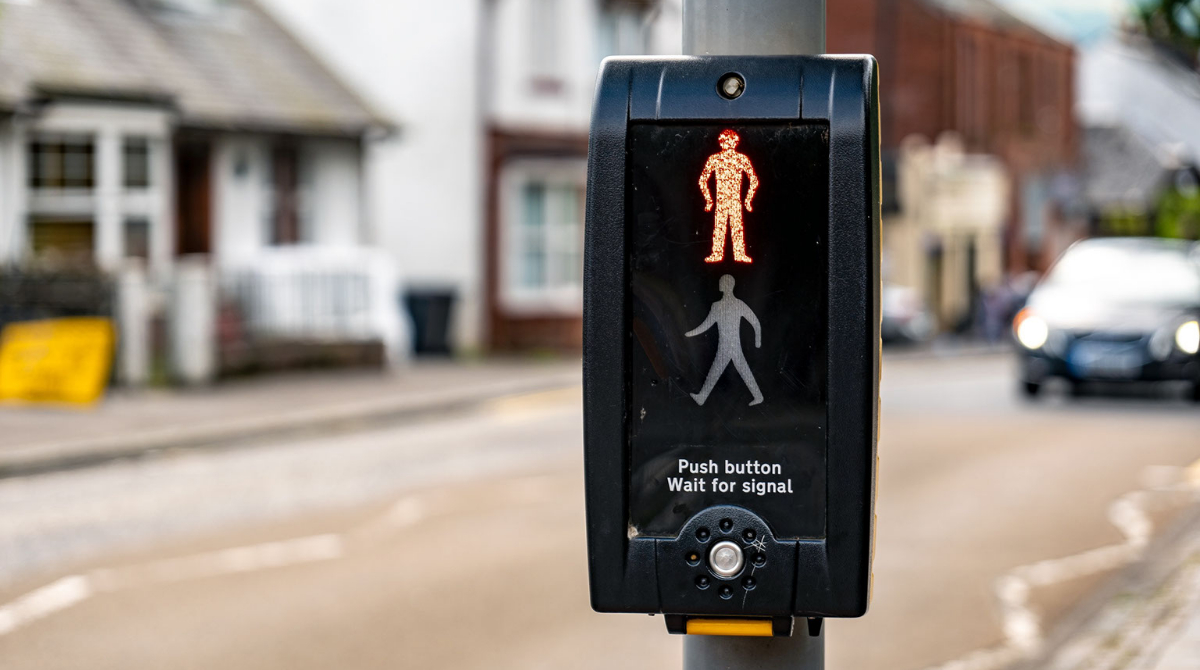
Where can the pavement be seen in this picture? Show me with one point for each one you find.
(458, 539)
(1182, 648)
(132, 423)
(1148, 618)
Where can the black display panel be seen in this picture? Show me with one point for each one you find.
(749, 421)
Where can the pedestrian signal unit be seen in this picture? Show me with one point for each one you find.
(731, 339)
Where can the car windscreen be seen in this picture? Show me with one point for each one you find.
(1144, 273)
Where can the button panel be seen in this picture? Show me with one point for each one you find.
(726, 560)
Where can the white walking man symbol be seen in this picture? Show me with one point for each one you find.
(727, 313)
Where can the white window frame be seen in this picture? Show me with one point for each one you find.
(108, 203)
(566, 300)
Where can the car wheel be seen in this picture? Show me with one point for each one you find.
(1196, 392)
(1078, 390)
(1030, 389)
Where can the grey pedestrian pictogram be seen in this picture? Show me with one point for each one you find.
(727, 314)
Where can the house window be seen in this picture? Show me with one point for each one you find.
(136, 162)
(70, 239)
(67, 161)
(137, 237)
(531, 273)
(550, 237)
(545, 241)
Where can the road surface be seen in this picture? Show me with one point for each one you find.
(458, 542)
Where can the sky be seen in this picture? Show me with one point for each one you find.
(1080, 20)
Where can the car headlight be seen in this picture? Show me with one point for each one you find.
(1032, 331)
(1187, 337)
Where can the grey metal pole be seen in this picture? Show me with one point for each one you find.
(798, 652)
(754, 28)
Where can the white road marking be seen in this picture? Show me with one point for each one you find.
(74, 589)
(408, 511)
(53, 597)
(1021, 625)
(250, 558)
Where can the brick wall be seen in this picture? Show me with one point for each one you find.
(850, 26)
(1007, 89)
(940, 71)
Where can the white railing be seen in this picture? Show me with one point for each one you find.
(320, 294)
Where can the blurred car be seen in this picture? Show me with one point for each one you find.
(1116, 309)
(905, 316)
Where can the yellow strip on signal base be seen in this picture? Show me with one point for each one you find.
(734, 627)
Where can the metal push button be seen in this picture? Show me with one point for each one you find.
(726, 559)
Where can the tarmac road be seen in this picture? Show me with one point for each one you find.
(458, 542)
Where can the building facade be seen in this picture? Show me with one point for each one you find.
(543, 73)
(419, 62)
(146, 137)
(946, 242)
(137, 132)
(171, 127)
(481, 193)
(88, 181)
(1000, 88)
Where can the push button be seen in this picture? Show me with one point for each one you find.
(726, 558)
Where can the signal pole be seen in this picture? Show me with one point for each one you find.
(754, 28)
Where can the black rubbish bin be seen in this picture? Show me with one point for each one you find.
(430, 310)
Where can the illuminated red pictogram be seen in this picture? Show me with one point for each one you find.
(728, 165)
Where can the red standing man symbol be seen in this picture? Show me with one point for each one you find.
(728, 165)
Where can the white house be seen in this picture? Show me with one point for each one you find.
(163, 128)
(482, 191)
